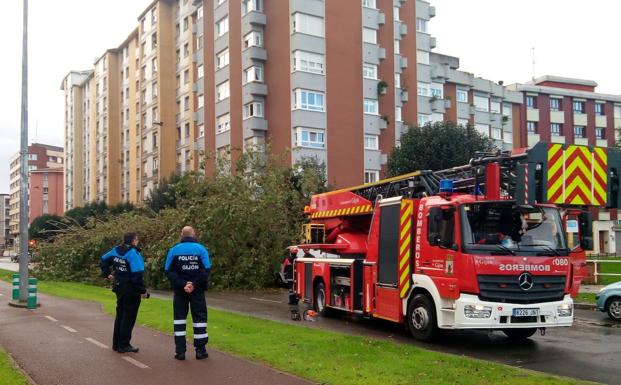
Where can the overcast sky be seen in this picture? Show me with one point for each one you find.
(493, 39)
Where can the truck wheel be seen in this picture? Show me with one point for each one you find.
(319, 300)
(421, 318)
(613, 307)
(519, 334)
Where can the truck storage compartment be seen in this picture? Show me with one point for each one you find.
(340, 284)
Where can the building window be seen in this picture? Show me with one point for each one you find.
(154, 115)
(462, 96)
(201, 130)
(371, 142)
(200, 71)
(251, 5)
(253, 74)
(369, 35)
(600, 133)
(32, 156)
(599, 108)
(199, 12)
(186, 76)
(579, 131)
(310, 138)
(578, 107)
(308, 24)
(531, 127)
(495, 107)
(222, 26)
(617, 111)
(154, 41)
(482, 128)
(424, 89)
(555, 129)
(481, 103)
(395, 14)
(531, 101)
(371, 176)
(223, 123)
(437, 90)
(422, 57)
(397, 45)
(371, 106)
(309, 100)
(186, 103)
(222, 91)
(369, 4)
(423, 119)
(555, 104)
(253, 39)
(222, 59)
(463, 122)
(186, 50)
(397, 80)
(308, 62)
(201, 101)
(369, 71)
(253, 110)
(398, 116)
(421, 25)
(496, 133)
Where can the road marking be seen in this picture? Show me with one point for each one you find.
(51, 318)
(1, 294)
(135, 362)
(95, 342)
(265, 300)
(67, 328)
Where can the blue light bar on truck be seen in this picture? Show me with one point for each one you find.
(446, 186)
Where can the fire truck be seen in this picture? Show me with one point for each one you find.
(498, 244)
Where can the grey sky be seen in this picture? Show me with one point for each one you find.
(493, 39)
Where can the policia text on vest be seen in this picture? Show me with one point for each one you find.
(188, 266)
(124, 266)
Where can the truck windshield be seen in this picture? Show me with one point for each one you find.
(507, 228)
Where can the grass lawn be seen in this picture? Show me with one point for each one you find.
(585, 298)
(9, 375)
(321, 356)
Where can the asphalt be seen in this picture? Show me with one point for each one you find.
(67, 342)
(589, 350)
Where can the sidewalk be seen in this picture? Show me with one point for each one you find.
(68, 342)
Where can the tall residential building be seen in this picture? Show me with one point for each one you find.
(333, 80)
(5, 238)
(40, 157)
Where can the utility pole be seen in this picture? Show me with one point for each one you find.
(23, 186)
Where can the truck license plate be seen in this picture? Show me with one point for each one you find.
(525, 312)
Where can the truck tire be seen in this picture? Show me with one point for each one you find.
(421, 318)
(613, 308)
(519, 334)
(319, 299)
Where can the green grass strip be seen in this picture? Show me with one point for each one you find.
(585, 298)
(9, 374)
(321, 356)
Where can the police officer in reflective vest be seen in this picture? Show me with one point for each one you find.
(125, 267)
(188, 266)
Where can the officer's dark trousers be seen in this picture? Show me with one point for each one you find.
(196, 302)
(127, 303)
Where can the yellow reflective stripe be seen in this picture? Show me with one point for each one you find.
(405, 229)
(404, 290)
(404, 245)
(404, 275)
(404, 259)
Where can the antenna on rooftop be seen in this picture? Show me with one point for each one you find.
(534, 63)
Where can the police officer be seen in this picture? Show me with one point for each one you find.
(125, 267)
(188, 266)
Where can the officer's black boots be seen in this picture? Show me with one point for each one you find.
(128, 349)
(180, 356)
(201, 354)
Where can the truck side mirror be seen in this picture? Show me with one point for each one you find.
(586, 230)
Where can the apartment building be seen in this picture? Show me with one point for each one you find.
(46, 192)
(40, 157)
(460, 97)
(5, 237)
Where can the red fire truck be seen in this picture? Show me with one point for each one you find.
(483, 246)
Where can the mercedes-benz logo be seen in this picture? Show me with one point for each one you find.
(525, 281)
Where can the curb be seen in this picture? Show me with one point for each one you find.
(585, 306)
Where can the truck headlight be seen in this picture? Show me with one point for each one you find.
(565, 310)
(477, 311)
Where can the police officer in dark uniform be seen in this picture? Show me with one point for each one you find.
(188, 266)
(125, 267)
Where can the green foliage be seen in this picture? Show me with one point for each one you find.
(45, 227)
(436, 147)
(9, 374)
(246, 219)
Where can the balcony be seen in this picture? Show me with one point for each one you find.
(404, 96)
(381, 53)
(255, 88)
(254, 124)
(433, 42)
(403, 29)
(254, 18)
(253, 53)
(404, 62)
(441, 105)
(381, 18)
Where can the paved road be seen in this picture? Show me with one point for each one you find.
(590, 350)
(67, 342)
(6, 264)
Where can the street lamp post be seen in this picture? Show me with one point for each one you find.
(23, 193)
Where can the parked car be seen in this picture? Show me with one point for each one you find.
(609, 300)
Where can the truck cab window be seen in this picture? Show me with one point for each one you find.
(441, 227)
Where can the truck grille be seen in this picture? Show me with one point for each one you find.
(505, 288)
